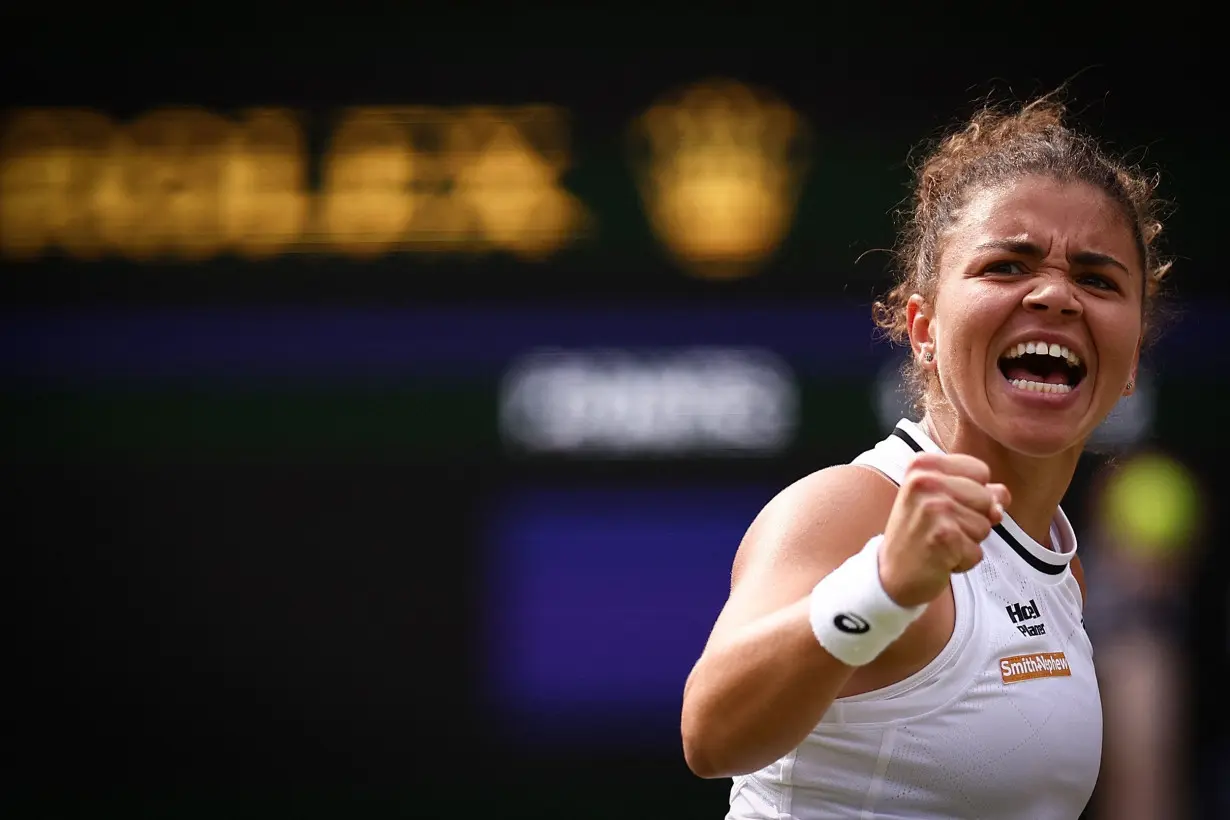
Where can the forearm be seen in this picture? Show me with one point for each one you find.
(753, 698)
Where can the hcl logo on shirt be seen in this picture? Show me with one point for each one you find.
(1026, 612)
(1023, 612)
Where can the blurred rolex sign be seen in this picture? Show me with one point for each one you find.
(193, 184)
(719, 167)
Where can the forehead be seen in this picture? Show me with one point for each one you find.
(1067, 216)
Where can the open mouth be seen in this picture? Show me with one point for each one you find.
(1040, 367)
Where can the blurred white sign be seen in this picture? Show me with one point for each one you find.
(625, 403)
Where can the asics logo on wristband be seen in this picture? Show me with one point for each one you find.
(853, 624)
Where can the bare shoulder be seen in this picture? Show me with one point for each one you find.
(805, 532)
(811, 520)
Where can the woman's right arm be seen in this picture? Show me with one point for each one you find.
(763, 681)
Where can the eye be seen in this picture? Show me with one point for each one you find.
(1097, 281)
(1006, 268)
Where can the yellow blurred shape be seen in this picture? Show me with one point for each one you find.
(512, 188)
(35, 168)
(266, 205)
(1151, 505)
(168, 201)
(720, 175)
(192, 184)
(76, 180)
(368, 202)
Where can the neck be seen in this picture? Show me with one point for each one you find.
(1037, 485)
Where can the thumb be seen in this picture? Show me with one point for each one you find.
(1001, 495)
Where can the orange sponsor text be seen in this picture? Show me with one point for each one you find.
(1038, 665)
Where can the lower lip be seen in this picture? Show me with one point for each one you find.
(1034, 398)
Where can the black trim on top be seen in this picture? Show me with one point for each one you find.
(1029, 558)
(908, 439)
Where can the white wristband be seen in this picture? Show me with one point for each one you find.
(851, 615)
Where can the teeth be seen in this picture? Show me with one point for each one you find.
(1040, 387)
(1043, 349)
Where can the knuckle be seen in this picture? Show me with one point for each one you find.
(936, 506)
(983, 500)
(922, 481)
(944, 532)
(982, 473)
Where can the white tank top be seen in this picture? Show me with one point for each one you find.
(1006, 722)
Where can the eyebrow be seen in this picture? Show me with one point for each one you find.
(1024, 248)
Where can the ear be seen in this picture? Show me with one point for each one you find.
(918, 317)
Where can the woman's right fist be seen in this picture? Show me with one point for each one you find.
(944, 509)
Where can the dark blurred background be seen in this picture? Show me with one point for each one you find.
(385, 397)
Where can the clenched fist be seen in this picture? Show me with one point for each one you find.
(943, 511)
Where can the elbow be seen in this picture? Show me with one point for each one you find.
(714, 744)
(700, 758)
(705, 753)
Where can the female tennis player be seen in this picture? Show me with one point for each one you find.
(903, 636)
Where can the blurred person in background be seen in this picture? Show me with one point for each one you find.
(1146, 521)
(903, 635)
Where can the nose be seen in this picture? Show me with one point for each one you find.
(1054, 294)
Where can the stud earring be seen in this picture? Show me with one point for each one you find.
(1128, 388)
(929, 356)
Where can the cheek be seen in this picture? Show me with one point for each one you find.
(1124, 359)
(961, 349)
(1117, 349)
(964, 328)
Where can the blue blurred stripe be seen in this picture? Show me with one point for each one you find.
(331, 344)
(349, 343)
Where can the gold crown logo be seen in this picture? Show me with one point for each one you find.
(719, 168)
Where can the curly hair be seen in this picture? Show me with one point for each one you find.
(995, 146)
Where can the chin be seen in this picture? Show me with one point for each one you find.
(1038, 424)
(1038, 438)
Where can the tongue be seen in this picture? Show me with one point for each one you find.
(1019, 372)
